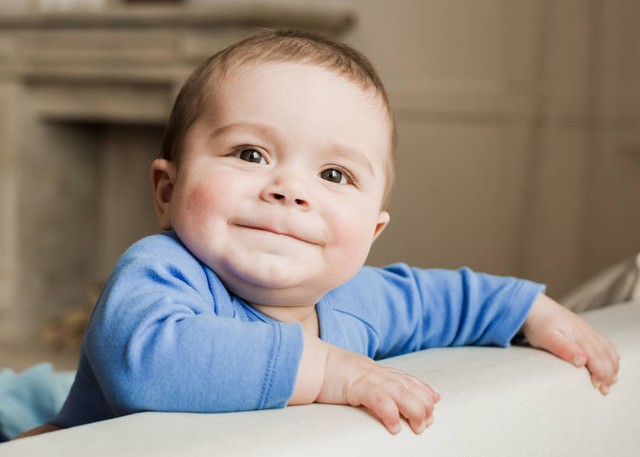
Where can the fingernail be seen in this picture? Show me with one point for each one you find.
(396, 429)
(578, 361)
(428, 422)
(596, 385)
(615, 378)
(605, 390)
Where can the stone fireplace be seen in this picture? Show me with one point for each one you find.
(83, 100)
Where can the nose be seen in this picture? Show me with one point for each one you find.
(288, 190)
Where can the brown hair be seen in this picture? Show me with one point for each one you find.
(274, 46)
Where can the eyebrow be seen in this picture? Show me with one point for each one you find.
(346, 152)
(337, 149)
(241, 125)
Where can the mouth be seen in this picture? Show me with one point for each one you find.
(276, 232)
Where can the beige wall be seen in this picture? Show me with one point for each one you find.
(515, 123)
(519, 145)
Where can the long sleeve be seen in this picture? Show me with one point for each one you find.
(403, 309)
(164, 337)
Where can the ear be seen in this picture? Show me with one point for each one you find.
(383, 220)
(163, 176)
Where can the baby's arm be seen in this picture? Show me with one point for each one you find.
(163, 337)
(552, 327)
(328, 374)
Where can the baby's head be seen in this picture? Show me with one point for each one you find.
(277, 163)
(274, 47)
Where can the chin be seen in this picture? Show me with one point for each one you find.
(278, 290)
(271, 271)
(276, 296)
(275, 280)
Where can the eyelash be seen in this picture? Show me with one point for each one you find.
(350, 178)
(345, 172)
(243, 147)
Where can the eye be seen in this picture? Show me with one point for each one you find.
(251, 155)
(337, 176)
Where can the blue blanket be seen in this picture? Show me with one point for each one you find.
(31, 398)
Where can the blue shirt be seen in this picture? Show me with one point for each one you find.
(166, 335)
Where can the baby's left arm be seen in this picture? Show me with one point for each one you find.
(552, 327)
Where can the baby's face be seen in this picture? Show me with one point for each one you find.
(280, 184)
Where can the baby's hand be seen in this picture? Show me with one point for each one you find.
(552, 327)
(354, 379)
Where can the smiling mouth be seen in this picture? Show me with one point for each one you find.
(275, 232)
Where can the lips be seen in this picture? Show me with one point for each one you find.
(295, 234)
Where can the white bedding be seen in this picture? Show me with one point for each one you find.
(495, 402)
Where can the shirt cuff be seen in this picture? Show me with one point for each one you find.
(280, 379)
(516, 312)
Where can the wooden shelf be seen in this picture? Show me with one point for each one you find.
(331, 18)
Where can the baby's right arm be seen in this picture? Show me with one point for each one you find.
(328, 374)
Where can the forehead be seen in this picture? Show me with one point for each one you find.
(306, 101)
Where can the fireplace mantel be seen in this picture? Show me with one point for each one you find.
(81, 94)
(144, 49)
(328, 18)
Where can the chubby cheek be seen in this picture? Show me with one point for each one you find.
(352, 236)
(201, 206)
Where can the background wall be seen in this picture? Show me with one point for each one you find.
(516, 121)
(519, 145)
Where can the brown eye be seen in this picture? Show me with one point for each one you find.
(333, 175)
(251, 155)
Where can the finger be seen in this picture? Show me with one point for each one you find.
(380, 402)
(614, 357)
(611, 356)
(603, 387)
(413, 400)
(601, 369)
(413, 408)
(434, 395)
(566, 349)
(416, 385)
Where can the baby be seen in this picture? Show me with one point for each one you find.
(276, 168)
